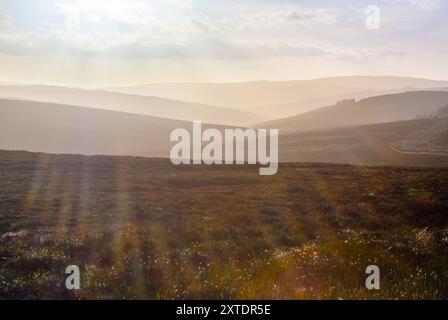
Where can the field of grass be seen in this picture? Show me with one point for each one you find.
(365, 145)
(145, 229)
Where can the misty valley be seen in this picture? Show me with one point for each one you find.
(140, 207)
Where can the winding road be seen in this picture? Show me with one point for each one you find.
(420, 143)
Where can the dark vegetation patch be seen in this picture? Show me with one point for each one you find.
(143, 228)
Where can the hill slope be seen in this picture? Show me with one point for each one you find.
(55, 128)
(381, 109)
(152, 106)
(363, 145)
(275, 99)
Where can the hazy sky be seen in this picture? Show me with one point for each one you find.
(114, 42)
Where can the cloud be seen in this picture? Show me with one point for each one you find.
(428, 5)
(199, 25)
(5, 21)
(144, 46)
(284, 17)
(368, 54)
(137, 12)
(323, 16)
(244, 32)
(170, 30)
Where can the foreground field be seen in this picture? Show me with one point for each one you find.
(142, 228)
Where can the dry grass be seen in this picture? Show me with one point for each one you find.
(144, 229)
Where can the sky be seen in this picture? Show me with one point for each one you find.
(96, 43)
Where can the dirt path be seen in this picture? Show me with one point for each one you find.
(418, 152)
(419, 143)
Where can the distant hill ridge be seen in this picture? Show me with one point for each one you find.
(379, 109)
(278, 99)
(143, 105)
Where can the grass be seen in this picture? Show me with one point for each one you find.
(145, 229)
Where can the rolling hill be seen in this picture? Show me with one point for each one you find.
(366, 145)
(276, 99)
(295, 108)
(57, 128)
(380, 109)
(152, 106)
(433, 139)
